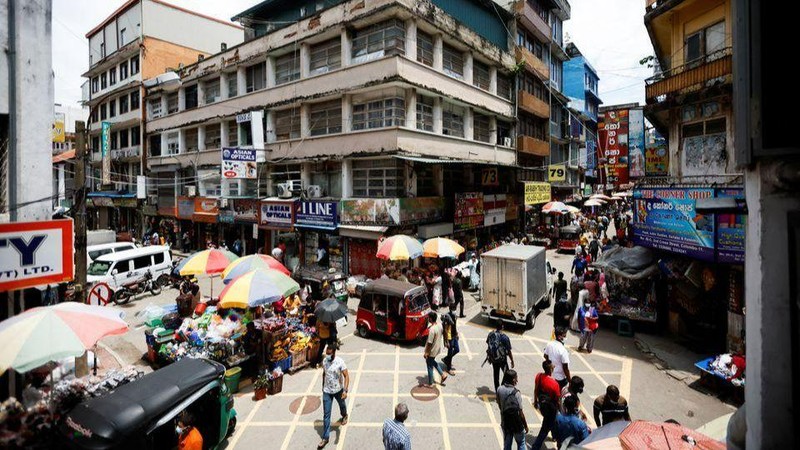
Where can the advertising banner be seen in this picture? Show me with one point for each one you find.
(205, 210)
(371, 211)
(246, 210)
(316, 214)
(494, 207)
(36, 253)
(277, 215)
(105, 151)
(557, 172)
(612, 133)
(636, 143)
(666, 219)
(59, 133)
(468, 212)
(537, 192)
(225, 216)
(185, 208)
(512, 208)
(421, 210)
(656, 156)
(591, 158)
(731, 231)
(239, 163)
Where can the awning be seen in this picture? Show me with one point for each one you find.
(69, 154)
(424, 160)
(112, 194)
(362, 231)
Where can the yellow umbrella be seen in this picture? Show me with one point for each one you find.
(441, 248)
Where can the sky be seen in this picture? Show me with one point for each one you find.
(609, 33)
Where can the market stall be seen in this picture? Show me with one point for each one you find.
(631, 275)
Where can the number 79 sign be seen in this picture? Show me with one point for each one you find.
(557, 172)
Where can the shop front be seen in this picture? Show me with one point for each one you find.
(205, 217)
(318, 224)
(115, 210)
(277, 221)
(186, 229)
(536, 194)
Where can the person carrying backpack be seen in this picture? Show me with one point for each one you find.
(546, 394)
(498, 352)
(512, 418)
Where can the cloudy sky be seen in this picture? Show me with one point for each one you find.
(610, 33)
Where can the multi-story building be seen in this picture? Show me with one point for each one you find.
(580, 86)
(64, 140)
(391, 110)
(141, 39)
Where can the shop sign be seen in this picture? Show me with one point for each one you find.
(103, 202)
(244, 117)
(125, 202)
(536, 193)
(105, 152)
(494, 207)
(587, 190)
(591, 158)
(185, 208)
(612, 135)
(239, 163)
(277, 215)
(489, 177)
(421, 210)
(316, 214)
(58, 127)
(557, 172)
(245, 210)
(512, 208)
(468, 212)
(666, 219)
(36, 253)
(205, 210)
(225, 216)
(731, 231)
(657, 158)
(371, 211)
(167, 211)
(636, 158)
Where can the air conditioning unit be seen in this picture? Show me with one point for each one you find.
(314, 191)
(190, 190)
(284, 191)
(296, 186)
(507, 142)
(223, 203)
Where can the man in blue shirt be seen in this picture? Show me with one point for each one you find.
(578, 265)
(569, 424)
(395, 434)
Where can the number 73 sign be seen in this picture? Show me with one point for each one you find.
(557, 172)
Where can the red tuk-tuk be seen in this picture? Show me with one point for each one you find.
(568, 238)
(393, 308)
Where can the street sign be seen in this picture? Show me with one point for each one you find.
(557, 172)
(489, 177)
(100, 294)
(36, 253)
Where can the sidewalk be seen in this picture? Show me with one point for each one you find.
(669, 356)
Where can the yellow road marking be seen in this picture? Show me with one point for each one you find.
(287, 439)
(396, 385)
(492, 420)
(350, 402)
(466, 347)
(591, 369)
(444, 424)
(625, 379)
(238, 433)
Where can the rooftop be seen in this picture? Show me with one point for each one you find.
(130, 3)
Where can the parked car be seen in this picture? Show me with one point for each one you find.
(130, 266)
(96, 251)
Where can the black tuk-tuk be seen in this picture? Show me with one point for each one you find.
(317, 276)
(142, 414)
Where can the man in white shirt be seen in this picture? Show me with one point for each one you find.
(335, 381)
(557, 353)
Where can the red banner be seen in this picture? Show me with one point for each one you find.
(612, 134)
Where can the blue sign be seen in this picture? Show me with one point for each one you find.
(316, 214)
(731, 231)
(591, 158)
(666, 219)
(239, 163)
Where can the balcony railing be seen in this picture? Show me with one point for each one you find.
(127, 152)
(691, 75)
(533, 146)
(538, 66)
(534, 105)
(532, 20)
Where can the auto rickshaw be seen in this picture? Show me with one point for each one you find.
(143, 413)
(568, 238)
(393, 308)
(317, 276)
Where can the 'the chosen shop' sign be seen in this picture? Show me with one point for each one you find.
(316, 214)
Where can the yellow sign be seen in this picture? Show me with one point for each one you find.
(557, 172)
(58, 128)
(536, 193)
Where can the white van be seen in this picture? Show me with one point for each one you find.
(96, 251)
(120, 268)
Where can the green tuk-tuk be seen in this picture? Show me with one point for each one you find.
(143, 414)
(323, 282)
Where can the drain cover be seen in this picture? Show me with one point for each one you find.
(312, 404)
(424, 393)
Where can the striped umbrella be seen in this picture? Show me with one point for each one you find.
(441, 248)
(209, 262)
(554, 208)
(256, 288)
(399, 248)
(249, 263)
(49, 333)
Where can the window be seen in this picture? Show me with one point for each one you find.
(328, 175)
(154, 104)
(424, 48)
(503, 132)
(103, 112)
(122, 39)
(95, 84)
(256, 77)
(210, 184)
(190, 97)
(142, 262)
(379, 40)
(424, 113)
(173, 143)
(480, 75)
(426, 182)
(326, 56)
(529, 126)
(287, 68)
(158, 258)
(388, 112)
(287, 124)
(172, 103)
(112, 108)
(452, 61)
(453, 121)
(481, 128)
(213, 136)
(326, 118)
(233, 85)
(705, 42)
(135, 100)
(112, 76)
(95, 143)
(190, 138)
(102, 50)
(155, 145)
(135, 136)
(211, 91)
(378, 178)
(123, 139)
(123, 104)
(233, 133)
(113, 140)
(281, 173)
(103, 81)
(135, 65)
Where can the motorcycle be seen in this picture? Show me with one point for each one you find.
(124, 294)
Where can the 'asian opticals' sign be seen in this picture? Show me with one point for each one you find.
(316, 214)
(239, 163)
(35, 253)
(277, 215)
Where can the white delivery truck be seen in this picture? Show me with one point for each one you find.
(514, 280)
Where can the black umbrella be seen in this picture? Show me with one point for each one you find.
(330, 310)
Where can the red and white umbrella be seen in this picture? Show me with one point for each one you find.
(555, 208)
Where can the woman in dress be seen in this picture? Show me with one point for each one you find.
(474, 276)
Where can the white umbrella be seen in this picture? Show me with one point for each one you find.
(593, 202)
(601, 197)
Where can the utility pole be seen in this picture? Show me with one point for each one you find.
(81, 362)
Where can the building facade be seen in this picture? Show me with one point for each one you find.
(141, 39)
(64, 141)
(581, 86)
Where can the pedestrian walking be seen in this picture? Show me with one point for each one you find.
(557, 353)
(546, 393)
(569, 424)
(328, 336)
(458, 292)
(588, 325)
(578, 265)
(335, 382)
(395, 433)
(594, 248)
(450, 326)
(433, 347)
(512, 418)
(560, 287)
(610, 407)
(498, 352)
(474, 273)
(574, 387)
